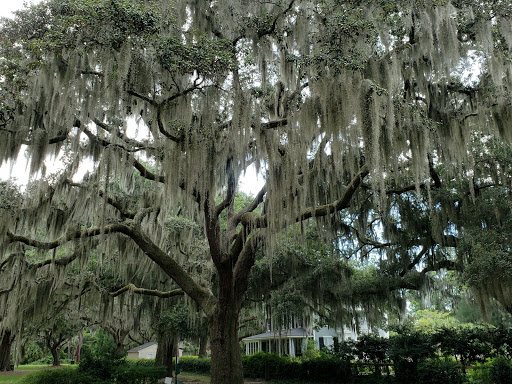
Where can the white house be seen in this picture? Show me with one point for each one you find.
(144, 351)
(292, 342)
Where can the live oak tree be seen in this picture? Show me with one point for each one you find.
(324, 97)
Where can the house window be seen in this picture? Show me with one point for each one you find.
(321, 343)
(149, 356)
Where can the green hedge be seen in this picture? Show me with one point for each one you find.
(61, 376)
(131, 374)
(495, 371)
(439, 371)
(194, 364)
(325, 369)
(139, 374)
(268, 366)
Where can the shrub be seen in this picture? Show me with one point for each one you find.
(371, 348)
(140, 362)
(311, 352)
(138, 374)
(266, 365)
(32, 353)
(500, 371)
(439, 371)
(345, 350)
(61, 376)
(102, 362)
(194, 364)
(327, 370)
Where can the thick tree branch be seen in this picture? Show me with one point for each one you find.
(342, 203)
(114, 203)
(63, 261)
(135, 143)
(143, 291)
(231, 189)
(77, 234)
(203, 297)
(415, 261)
(171, 267)
(233, 222)
(443, 264)
(212, 229)
(255, 221)
(244, 263)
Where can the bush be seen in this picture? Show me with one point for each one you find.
(61, 376)
(440, 371)
(500, 371)
(327, 370)
(194, 364)
(125, 375)
(102, 362)
(32, 353)
(139, 374)
(266, 365)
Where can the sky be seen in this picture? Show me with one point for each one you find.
(8, 171)
(250, 183)
(11, 5)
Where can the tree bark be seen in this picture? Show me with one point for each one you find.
(79, 347)
(226, 358)
(5, 351)
(56, 356)
(164, 353)
(119, 337)
(203, 341)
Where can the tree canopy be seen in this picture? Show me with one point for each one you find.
(357, 112)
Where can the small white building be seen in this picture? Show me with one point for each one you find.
(144, 351)
(147, 351)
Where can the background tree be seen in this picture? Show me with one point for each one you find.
(324, 97)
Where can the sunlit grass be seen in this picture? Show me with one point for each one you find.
(10, 379)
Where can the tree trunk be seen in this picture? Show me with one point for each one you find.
(164, 353)
(56, 356)
(79, 347)
(203, 341)
(119, 336)
(226, 356)
(120, 348)
(5, 351)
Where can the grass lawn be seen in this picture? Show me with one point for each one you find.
(10, 379)
(33, 367)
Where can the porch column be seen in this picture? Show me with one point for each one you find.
(292, 347)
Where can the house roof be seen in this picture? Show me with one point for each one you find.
(283, 334)
(143, 346)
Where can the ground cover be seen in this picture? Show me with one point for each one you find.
(10, 379)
